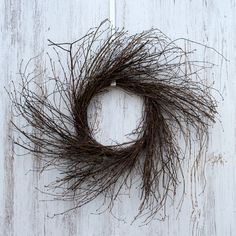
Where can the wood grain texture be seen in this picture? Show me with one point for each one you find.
(25, 28)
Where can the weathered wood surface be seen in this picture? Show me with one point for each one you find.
(25, 28)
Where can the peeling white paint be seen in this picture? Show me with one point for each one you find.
(25, 28)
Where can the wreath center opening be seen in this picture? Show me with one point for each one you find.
(114, 116)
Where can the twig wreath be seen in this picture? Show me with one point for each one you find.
(177, 102)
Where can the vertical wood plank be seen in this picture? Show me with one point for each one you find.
(208, 22)
(26, 26)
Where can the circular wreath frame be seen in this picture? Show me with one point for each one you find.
(177, 103)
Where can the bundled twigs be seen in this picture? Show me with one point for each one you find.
(177, 104)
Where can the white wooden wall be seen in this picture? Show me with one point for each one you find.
(25, 27)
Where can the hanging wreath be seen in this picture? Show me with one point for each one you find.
(178, 105)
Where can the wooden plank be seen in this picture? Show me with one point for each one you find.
(25, 27)
(207, 22)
